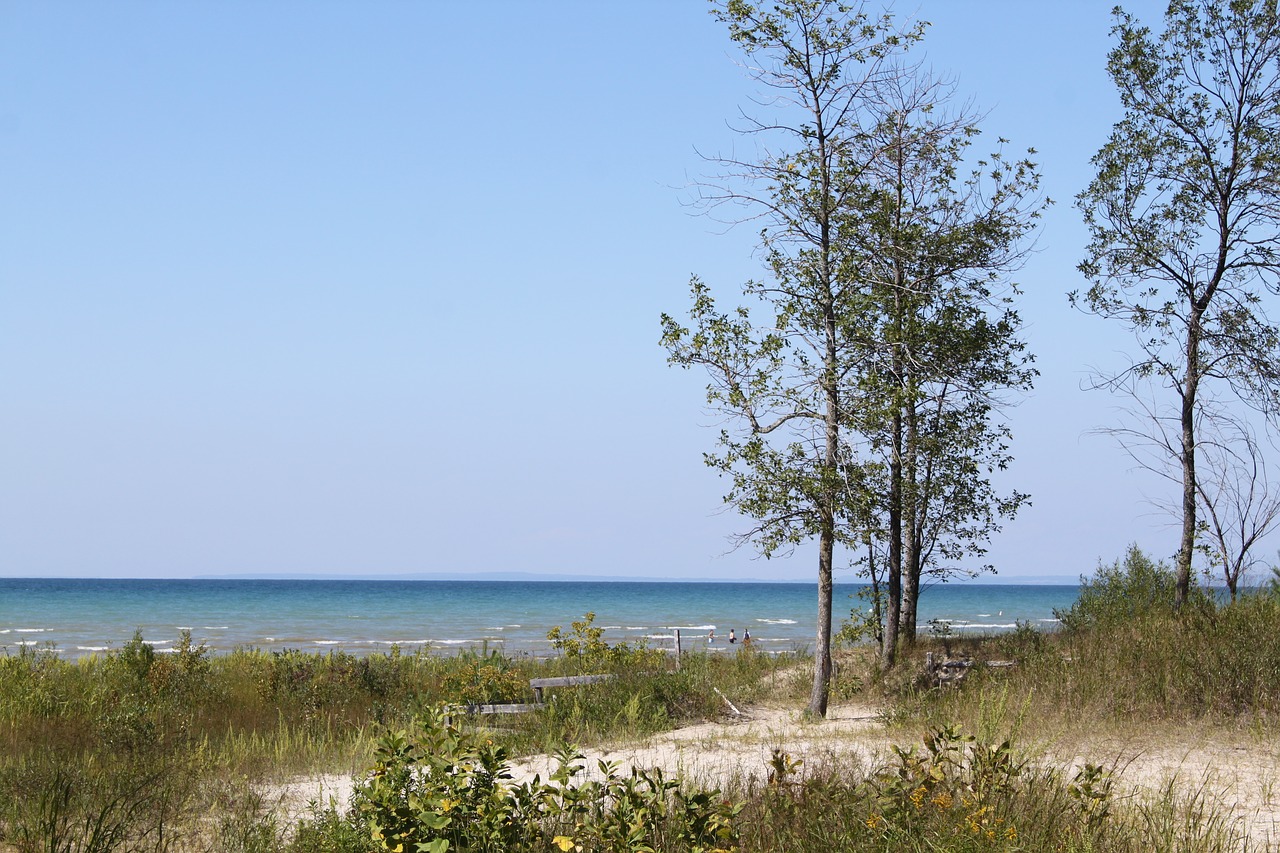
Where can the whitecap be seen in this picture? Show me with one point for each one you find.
(92, 648)
(1048, 620)
(691, 627)
(453, 642)
(30, 630)
(329, 642)
(637, 627)
(216, 628)
(984, 625)
(777, 621)
(183, 628)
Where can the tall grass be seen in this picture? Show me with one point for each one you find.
(1125, 655)
(135, 749)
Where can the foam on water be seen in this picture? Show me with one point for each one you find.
(84, 616)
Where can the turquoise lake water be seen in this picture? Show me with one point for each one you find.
(80, 616)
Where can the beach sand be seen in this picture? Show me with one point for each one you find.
(1235, 772)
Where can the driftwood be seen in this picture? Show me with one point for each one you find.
(949, 672)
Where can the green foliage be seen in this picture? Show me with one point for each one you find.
(1124, 590)
(958, 793)
(586, 650)
(481, 678)
(864, 624)
(441, 788)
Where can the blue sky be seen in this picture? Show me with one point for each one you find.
(374, 287)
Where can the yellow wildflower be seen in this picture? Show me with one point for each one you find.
(564, 842)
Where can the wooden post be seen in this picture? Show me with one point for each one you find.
(678, 650)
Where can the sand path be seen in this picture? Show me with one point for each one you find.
(1236, 773)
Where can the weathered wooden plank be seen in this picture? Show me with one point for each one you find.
(539, 684)
(567, 680)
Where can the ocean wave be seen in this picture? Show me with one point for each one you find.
(1049, 620)
(691, 627)
(637, 627)
(971, 626)
(217, 628)
(93, 648)
(777, 621)
(183, 628)
(400, 642)
(30, 630)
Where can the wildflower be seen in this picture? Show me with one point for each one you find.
(1011, 834)
(942, 801)
(873, 821)
(564, 842)
(917, 796)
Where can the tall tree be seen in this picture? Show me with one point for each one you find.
(934, 245)
(1184, 215)
(782, 380)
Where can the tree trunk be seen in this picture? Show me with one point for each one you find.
(1190, 384)
(822, 658)
(828, 504)
(911, 566)
(893, 572)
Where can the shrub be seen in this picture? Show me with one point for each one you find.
(440, 788)
(1126, 589)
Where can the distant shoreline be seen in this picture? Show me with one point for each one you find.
(524, 577)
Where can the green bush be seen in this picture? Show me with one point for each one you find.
(1126, 589)
(440, 788)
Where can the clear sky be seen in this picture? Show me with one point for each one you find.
(374, 287)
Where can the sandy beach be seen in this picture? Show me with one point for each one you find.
(1234, 771)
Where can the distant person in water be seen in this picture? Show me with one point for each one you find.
(732, 638)
(746, 636)
(711, 636)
